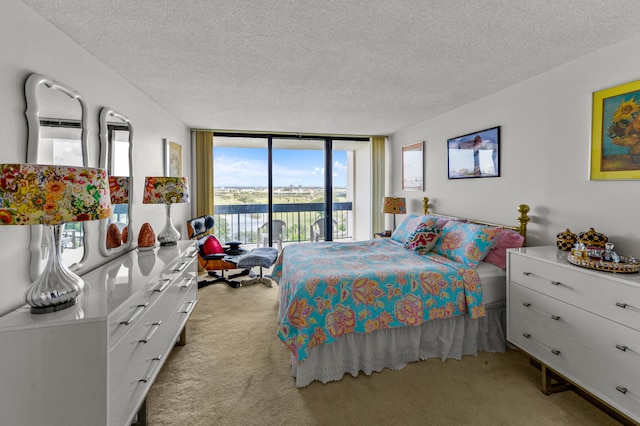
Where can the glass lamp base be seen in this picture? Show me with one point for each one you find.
(169, 236)
(54, 308)
(57, 288)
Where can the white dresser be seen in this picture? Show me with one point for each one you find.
(92, 364)
(580, 323)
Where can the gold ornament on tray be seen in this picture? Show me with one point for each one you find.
(565, 240)
(592, 238)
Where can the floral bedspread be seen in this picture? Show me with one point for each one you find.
(330, 289)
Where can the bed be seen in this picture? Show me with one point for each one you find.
(347, 307)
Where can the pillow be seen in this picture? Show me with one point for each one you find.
(466, 243)
(507, 238)
(409, 225)
(440, 222)
(423, 238)
(212, 246)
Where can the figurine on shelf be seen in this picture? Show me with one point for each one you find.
(609, 255)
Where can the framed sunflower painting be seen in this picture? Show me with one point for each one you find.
(615, 136)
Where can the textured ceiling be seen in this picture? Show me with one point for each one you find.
(340, 67)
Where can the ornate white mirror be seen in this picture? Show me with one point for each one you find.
(56, 118)
(116, 148)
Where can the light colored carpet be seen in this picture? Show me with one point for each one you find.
(235, 371)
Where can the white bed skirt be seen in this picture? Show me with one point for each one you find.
(395, 348)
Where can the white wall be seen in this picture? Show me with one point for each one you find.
(545, 144)
(30, 44)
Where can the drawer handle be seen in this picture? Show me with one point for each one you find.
(147, 377)
(553, 351)
(626, 392)
(162, 284)
(531, 274)
(624, 348)
(187, 282)
(626, 306)
(180, 267)
(189, 307)
(135, 315)
(540, 311)
(154, 328)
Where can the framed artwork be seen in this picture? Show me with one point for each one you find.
(474, 155)
(413, 167)
(615, 135)
(173, 159)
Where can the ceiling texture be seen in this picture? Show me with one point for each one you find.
(366, 67)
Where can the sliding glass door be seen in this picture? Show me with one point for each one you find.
(270, 190)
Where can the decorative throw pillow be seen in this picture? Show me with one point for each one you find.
(409, 225)
(423, 238)
(508, 238)
(212, 246)
(466, 243)
(440, 221)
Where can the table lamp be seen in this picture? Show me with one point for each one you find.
(35, 194)
(394, 206)
(166, 190)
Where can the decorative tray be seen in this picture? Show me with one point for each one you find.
(627, 264)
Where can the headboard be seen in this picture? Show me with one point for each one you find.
(523, 219)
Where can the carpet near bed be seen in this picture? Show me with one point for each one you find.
(235, 371)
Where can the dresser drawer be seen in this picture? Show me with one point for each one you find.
(179, 273)
(122, 320)
(594, 292)
(600, 376)
(137, 358)
(614, 341)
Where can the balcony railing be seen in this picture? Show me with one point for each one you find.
(240, 222)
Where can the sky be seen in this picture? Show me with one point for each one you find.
(248, 167)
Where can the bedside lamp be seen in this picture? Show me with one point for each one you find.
(35, 194)
(166, 190)
(394, 206)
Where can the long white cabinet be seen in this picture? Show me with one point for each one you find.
(92, 364)
(580, 323)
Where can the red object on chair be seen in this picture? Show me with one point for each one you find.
(212, 246)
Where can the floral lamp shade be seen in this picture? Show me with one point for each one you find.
(119, 189)
(165, 190)
(394, 205)
(35, 194)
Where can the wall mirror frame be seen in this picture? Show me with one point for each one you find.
(413, 167)
(51, 105)
(112, 158)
